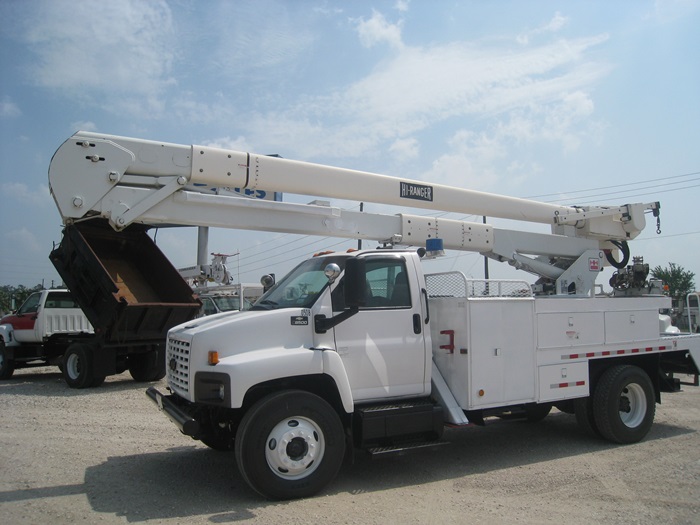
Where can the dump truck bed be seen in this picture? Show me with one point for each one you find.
(126, 286)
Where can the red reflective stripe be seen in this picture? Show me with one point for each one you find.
(606, 352)
(619, 352)
(580, 383)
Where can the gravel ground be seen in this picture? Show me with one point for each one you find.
(107, 455)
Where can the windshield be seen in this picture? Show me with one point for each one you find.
(301, 287)
(226, 303)
(31, 305)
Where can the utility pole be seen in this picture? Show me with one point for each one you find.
(486, 260)
(359, 241)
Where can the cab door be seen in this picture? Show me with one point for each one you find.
(24, 319)
(383, 346)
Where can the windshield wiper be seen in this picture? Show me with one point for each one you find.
(267, 305)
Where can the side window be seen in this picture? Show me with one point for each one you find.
(60, 300)
(387, 284)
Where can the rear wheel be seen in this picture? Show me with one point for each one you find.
(7, 365)
(624, 404)
(78, 367)
(290, 445)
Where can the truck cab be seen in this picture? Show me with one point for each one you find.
(326, 333)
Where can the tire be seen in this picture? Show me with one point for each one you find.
(148, 366)
(78, 366)
(7, 365)
(313, 439)
(536, 413)
(624, 404)
(583, 409)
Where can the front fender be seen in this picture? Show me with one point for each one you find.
(7, 335)
(333, 366)
(252, 368)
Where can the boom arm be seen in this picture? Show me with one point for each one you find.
(126, 180)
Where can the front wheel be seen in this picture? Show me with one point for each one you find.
(7, 365)
(290, 445)
(624, 404)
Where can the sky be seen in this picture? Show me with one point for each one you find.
(569, 102)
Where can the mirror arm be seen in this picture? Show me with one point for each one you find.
(322, 323)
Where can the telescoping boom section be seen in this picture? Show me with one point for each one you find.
(126, 180)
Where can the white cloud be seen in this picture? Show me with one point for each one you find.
(23, 239)
(377, 29)
(83, 125)
(420, 88)
(405, 148)
(249, 39)
(20, 192)
(402, 5)
(8, 108)
(555, 121)
(238, 144)
(124, 49)
(666, 11)
(557, 22)
(470, 161)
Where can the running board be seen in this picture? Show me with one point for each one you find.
(402, 450)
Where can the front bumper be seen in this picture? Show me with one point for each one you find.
(186, 423)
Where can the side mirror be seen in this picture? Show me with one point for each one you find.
(267, 281)
(331, 271)
(355, 283)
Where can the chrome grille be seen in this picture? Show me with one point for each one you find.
(178, 365)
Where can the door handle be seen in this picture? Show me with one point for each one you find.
(416, 324)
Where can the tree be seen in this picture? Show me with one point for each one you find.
(20, 293)
(679, 281)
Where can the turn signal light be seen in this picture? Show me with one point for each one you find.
(213, 357)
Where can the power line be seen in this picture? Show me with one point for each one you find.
(648, 193)
(614, 186)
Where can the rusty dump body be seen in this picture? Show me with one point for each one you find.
(126, 286)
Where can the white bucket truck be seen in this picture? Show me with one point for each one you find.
(363, 349)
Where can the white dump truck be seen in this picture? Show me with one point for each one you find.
(41, 330)
(367, 349)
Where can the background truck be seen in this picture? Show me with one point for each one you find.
(213, 284)
(364, 349)
(41, 330)
(230, 298)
